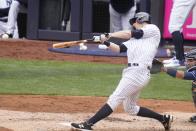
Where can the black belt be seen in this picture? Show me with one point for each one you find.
(3, 20)
(136, 64)
(132, 64)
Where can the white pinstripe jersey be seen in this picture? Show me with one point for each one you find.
(143, 50)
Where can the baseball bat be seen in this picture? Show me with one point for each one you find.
(73, 43)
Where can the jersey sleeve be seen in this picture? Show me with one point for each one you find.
(190, 75)
(150, 31)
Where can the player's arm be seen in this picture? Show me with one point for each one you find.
(115, 47)
(126, 34)
(180, 74)
(150, 31)
(136, 33)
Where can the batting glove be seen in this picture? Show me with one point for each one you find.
(104, 37)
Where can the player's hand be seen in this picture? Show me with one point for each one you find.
(104, 37)
(96, 38)
(100, 38)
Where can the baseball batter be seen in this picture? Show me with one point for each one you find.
(180, 11)
(190, 74)
(141, 48)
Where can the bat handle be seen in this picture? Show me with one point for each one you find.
(96, 38)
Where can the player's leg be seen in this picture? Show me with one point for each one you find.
(2, 27)
(65, 14)
(118, 96)
(12, 17)
(193, 118)
(114, 100)
(115, 20)
(16, 35)
(103, 112)
(126, 17)
(178, 40)
(126, 88)
(166, 120)
(67, 10)
(132, 108)
(179, 13)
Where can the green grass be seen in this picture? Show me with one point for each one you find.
(163, 86)
(81, 79)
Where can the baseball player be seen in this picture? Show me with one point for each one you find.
(16, 7)
(120, 13)
(4, 9)
(141, 48)
(179, 13)
(189, 74)
(66, 10)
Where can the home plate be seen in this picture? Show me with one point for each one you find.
(65, 124)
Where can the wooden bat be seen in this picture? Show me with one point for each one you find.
(73, 43)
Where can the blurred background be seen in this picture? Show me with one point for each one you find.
(65, 20)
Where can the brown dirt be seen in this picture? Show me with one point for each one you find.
(84, 104)
(38, 50)
(27, 49)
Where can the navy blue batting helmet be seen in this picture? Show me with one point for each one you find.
(191, 54)
(140, 17)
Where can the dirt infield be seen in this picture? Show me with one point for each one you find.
(54, 113)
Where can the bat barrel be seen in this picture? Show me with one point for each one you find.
(72, 43)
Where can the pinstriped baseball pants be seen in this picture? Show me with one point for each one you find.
(133, 80)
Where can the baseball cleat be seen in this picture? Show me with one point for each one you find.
(169, 60)
(167, 120)
(84, 126)
(192, 119)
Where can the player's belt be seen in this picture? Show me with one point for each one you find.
(132, 64)
(136, 64)
(3, 20)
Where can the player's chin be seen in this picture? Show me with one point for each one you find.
(135, 26)
(188, 66)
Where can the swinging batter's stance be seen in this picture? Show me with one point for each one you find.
(141, 48)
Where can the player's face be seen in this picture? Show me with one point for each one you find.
(190, 62)
(137, 25)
